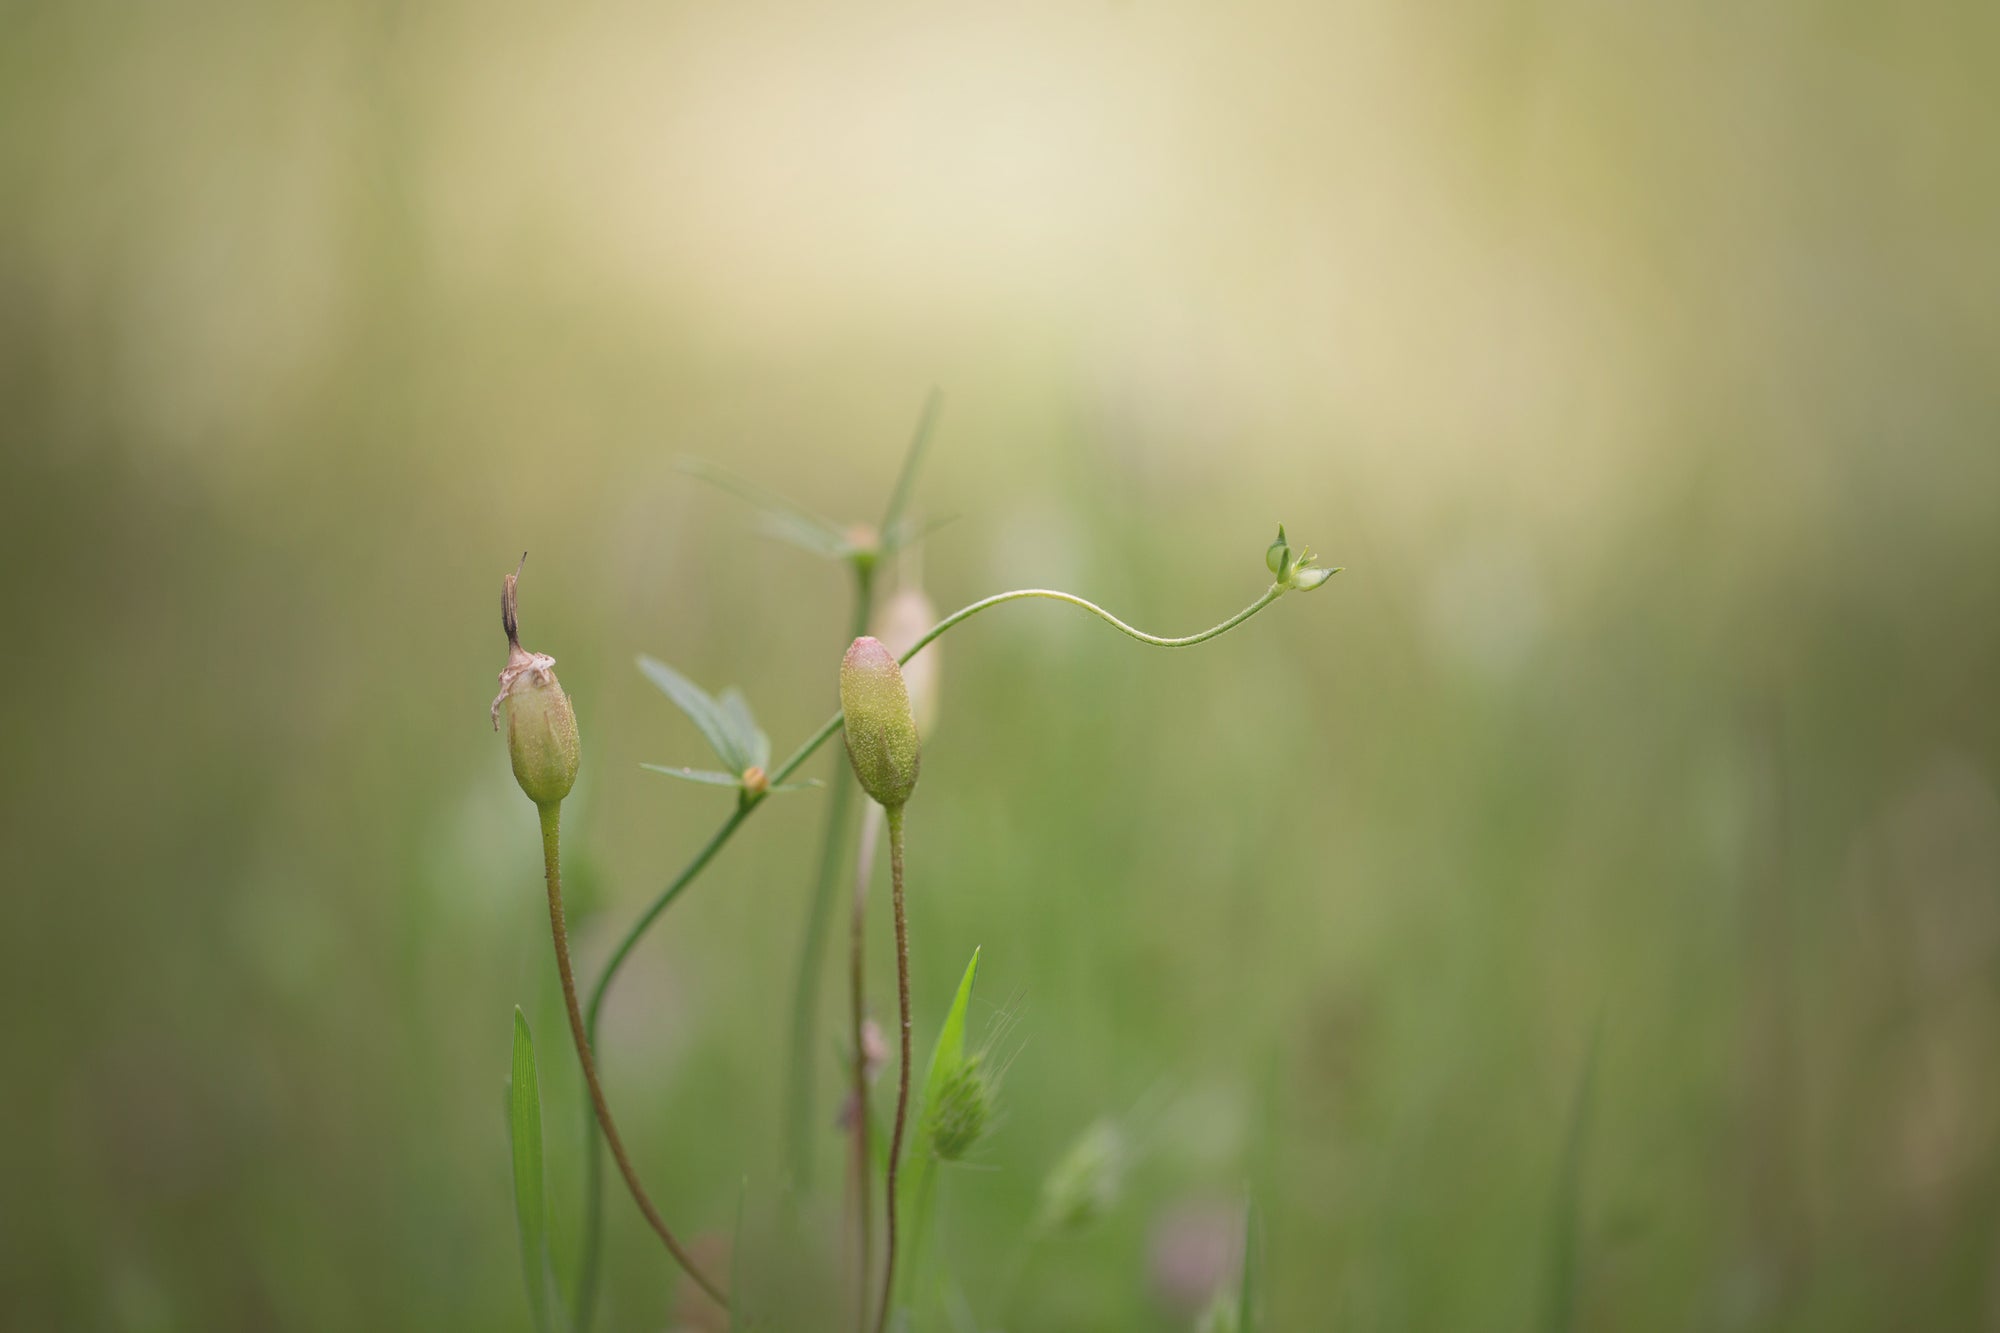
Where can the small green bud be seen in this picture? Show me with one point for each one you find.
(881, 731)
(1278, 555)
(541, 724)
(962, 1113)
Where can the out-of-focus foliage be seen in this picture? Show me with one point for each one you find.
(1638, 361)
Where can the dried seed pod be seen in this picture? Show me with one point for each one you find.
(541, 724)
(880, 729)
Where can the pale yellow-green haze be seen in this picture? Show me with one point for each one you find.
(1581, 913)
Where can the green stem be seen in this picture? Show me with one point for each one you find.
(552, 867)
(895, 814)
(964, 613)
(588, 1269)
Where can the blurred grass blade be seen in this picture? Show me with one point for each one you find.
(1564, 1225)
(913, 460)
(703, 711)
(707, 775)
(1253, 1241)
(531, 1209)
(779, 517)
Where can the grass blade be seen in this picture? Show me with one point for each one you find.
(531, 1209)
(917, 1192)
(1564, 1224)
(913, 459)
(1246, 1300)
(949, 1052)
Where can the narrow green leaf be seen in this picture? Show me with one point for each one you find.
(703, 711)
(530, 1201)
(739, 1319)
(778, 517)
(804, 784)
(707, 775)
(949, 1052)
(750, 739)
(1564, 1225)
(1246, 1301)
(913, 460)
(916, 1191)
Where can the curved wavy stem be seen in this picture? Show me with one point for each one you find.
(593, 1189)
(593, 1174)
(552, 868)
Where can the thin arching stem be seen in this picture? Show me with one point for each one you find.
(552, 867)
(593, 1173)
(895, 813)
(587, 1278)
(964, 613)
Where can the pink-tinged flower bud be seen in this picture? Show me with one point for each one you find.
(541, 724)
(903, 620)
(881, 731)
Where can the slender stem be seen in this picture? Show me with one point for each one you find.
(857, 996)
(552, 866)
(593, 1174)
(964, 613)
(895, 814)
(587, 1279)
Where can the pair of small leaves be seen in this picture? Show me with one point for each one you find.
(782, 520)
(726, 723)
(856, 544)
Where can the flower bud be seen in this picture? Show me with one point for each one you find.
(962, 1112)
(541, 725)
(903, 620)
(881, 731)
(1278, 555)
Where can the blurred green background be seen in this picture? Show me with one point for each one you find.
(1638, 361)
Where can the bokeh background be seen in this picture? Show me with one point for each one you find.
(1582, 913)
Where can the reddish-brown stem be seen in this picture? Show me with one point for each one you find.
(857, 1007)
(551, 859)
(895, 814)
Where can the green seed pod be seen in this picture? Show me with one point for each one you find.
(541, 725)
(962, 1113)
(881, 732)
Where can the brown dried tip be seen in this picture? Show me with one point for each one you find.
(510, 605)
